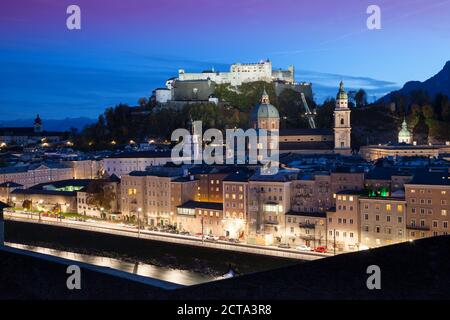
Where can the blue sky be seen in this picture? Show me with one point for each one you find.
(127, 48)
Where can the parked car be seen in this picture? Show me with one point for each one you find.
(234, 240)
(185, 233)
(321, 249)
(223, 238)
(303, 247)
(211, 237)
(284, 245)
(199, 234)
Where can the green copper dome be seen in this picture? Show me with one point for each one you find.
(264, 109)
(341, 95)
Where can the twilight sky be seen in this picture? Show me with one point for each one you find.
(128, 47)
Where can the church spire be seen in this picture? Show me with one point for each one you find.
(265, 97)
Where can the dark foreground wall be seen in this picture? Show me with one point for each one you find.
(417, 270)
(204, 260)
(27, 277)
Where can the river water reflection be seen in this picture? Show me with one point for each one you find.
(182, 277)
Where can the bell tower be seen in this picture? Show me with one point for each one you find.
(342, 126)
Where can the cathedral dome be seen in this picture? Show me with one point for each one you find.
(341, 95)
(264, 109)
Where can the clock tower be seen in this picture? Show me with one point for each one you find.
(342, 127)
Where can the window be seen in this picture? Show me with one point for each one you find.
(388, 207)
(399, 208)
(443, 212)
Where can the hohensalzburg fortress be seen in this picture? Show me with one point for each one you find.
(241, 73)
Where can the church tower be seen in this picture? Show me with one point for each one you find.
(404, 135)
(342, 126)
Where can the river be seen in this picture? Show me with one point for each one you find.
(182, 277)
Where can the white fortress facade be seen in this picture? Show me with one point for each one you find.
(242, 72)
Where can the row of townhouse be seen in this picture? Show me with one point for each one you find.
(260, 209)
(361, 220)
(31, 174)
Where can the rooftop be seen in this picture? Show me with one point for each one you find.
(142, 154)
(305, 132)
(306, 145)
(44, 192)
(10, 184)
(240, 175)
(431, 178)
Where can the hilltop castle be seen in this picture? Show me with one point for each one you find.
(242, 72)
(199, 87)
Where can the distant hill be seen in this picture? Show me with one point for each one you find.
(440, 83)
(51, 124)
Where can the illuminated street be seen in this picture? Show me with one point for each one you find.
(114, 228)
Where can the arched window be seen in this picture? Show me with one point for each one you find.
(342, 121)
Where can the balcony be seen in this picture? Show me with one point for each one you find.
(420, 228)
(271, 222)
(307, 225)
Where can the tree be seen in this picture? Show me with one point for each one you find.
(324, 118)
(101, 194)
(142, 102)
(360, 98)
(27, 204)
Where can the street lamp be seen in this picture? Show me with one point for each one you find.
(139, 222)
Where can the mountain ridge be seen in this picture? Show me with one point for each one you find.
(439, 83)
(51, 124)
